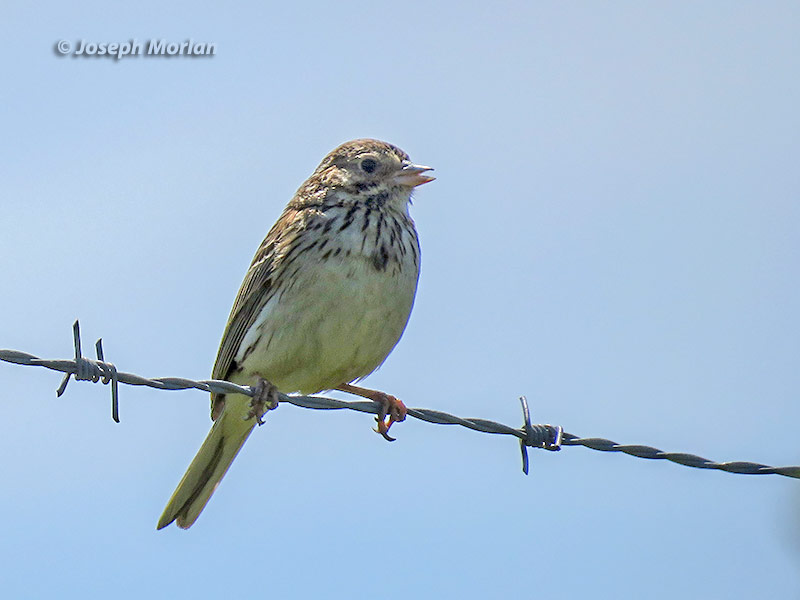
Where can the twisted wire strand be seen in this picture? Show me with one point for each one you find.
(547, 437)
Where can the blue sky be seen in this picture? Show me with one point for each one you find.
(613, 232)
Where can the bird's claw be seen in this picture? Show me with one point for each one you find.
(265, 398)
(392, 411)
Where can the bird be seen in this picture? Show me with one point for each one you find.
(326, 299)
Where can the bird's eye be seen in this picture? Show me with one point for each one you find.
(368, 165)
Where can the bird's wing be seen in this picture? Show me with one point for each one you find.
(252, 295)
(256, 289)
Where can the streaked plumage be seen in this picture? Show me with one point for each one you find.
(325, 300)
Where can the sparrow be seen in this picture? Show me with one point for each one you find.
(325, 300)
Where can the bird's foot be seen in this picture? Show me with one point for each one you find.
(265, 398)
(392, 410)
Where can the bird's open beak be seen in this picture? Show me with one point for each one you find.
(412, 175)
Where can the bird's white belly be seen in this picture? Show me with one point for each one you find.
(335, 324)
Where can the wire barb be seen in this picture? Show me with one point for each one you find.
(110, 375)
(546, 437)
(87, 369)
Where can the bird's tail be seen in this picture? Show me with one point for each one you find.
(226, 438)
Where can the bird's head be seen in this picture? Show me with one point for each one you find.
(369, 168)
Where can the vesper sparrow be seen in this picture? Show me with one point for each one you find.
(325, 300)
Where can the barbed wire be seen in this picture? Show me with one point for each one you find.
(546, 437)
